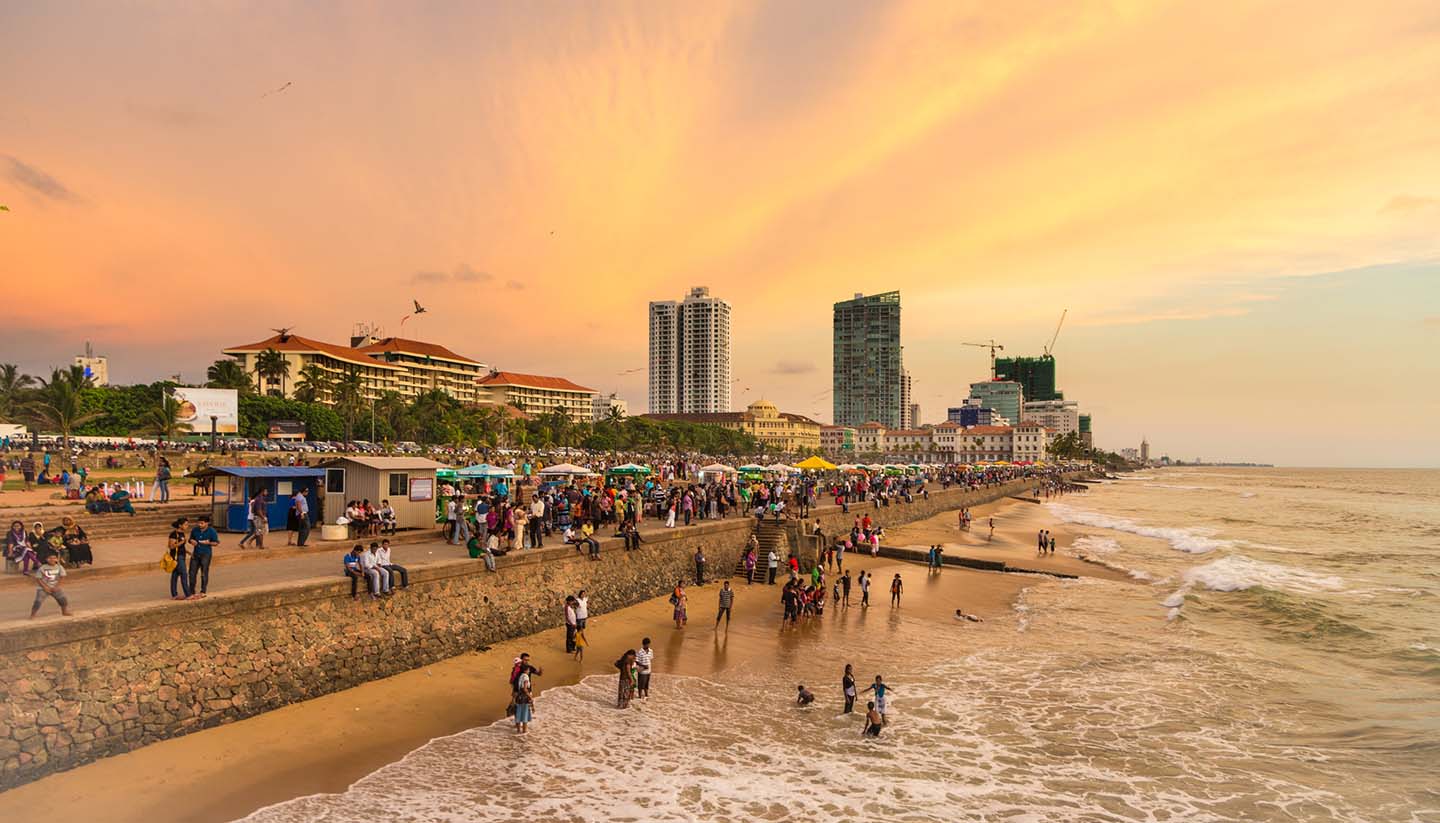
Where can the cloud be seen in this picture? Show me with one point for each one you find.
(793, 367)
(463, 273)
(1409, 204)
(37, 181)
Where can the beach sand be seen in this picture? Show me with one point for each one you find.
(324, 745)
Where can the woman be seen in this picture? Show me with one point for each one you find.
(626, 665)
(19, 551)
(677, 599)
(750, 563)
(77, 543)
(524, 700)
(521, 520)
(176, 548)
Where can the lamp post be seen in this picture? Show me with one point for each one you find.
(214, 421)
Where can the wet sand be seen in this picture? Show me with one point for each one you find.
(324, 745)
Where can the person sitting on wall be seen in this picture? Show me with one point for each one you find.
(120, 502)
(356, 571)
(95, 501)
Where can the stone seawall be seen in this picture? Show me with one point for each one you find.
(102, 684)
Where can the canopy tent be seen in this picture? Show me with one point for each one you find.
(717, 468)
(628, 468)
(874, 467)
(815, 463)
(485, 470)
(751, 467)
(845, 467)
(779, 468)
(566, 470)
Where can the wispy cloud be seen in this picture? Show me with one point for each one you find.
(1409, 204)
(463, 273)
(793, 367)
(37, 181)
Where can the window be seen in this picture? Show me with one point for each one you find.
(399, 484)
(334, 481)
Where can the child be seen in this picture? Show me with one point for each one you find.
(803, 696)
(47, 579)
(580, 645)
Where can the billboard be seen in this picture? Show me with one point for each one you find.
(198, 405)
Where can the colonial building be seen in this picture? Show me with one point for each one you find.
(536, 394)
(870, 438)
(838, 440)
(773, 428)
(1061, 415)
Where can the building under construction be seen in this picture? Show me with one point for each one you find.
(1036, 375)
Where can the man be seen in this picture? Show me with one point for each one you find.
(204, 539)
(370, 562)
(382, 556)
(387, 519)
(452, 529)
(895, 588)
(772, 562)
(582, 610)
(537, 522)
(355, 570)
(727, 599)
(864, 590)
(699, 567)
(572, 624)
(643, 658)
(301, 507)
(47, 582)
(251, 526)
(27, 471)
(845, 587)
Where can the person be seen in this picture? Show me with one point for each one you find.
(847, 688)
(382, 556)
(370, 561)
(537, 522)
(254, 515)
(677, 599)
(803, 696)
(772, 561)
(845, 587)
(631, 535)
(47, 582)
(520, 666)
(388, 521)
(175, 547)
(991, 536)
(20, 550)
(203, 539)
(452, 527)
(580, 643)
(874, 721)
(895, 588)
(880, 690)
(1052, 545)
(524, 701)
(355, 570)
(643, 659)
(582, 609)
(76, 542)
(162, 480)
(300, 512)
(699, 567)
(27, 471)
(571, 623)
(727, 599)
(864, 590)
(959, 615)
(487, 552)
(627, 670)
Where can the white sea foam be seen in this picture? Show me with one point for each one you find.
(1190, 540)
(1238, 572)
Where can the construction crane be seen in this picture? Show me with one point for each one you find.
(1051, 346)
(993, 347)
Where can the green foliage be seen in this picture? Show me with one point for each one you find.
(13, 388)
(273, 368)
(256, 412)
(57, 406)
(227, 374)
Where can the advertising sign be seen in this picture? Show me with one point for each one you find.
(198, 405)
(422, 488)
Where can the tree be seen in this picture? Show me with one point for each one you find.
(13, 386)
(228, 374)
(349, 398)
(163, 419)
(57, 405)
(314, 385)
(273, 367)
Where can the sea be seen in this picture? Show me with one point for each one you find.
(1274, 657)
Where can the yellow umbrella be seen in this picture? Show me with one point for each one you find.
(816, 462)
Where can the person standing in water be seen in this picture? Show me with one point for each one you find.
(895, 588)
(873, 721)
(847, 687)
(880, 690)
(643, 658)
(864, 590)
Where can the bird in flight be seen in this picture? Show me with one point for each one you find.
(4, 208)
(419, 309)
(284, 334)
(276, 91)
(630, 371)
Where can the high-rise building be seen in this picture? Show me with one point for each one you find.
(907, 409)
(690, 354)
(867, 371)
(1036, 375)
(1061, 415)
(1144, 450)
(1006, 397)
(97, 368)
(1087, 436)
(914, 415)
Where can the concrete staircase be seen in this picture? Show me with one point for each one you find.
(149, 519)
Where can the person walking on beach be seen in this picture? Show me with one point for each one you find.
(895, 588)
(580, 644)
(644, 657)
(880, 690)
(677, 599)
(864, 590)
(524, 701)
(628, 671)
(727, 599)
(847, 688)
(571, 625)
(47, 584)
(991, 536)
(1052, 545)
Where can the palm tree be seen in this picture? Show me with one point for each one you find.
(57, 404)
(314, 385)
(13, 385)
(163, 419)
(273, 367)
(228, 374)
(349, 398)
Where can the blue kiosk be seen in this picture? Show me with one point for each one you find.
(234, 486)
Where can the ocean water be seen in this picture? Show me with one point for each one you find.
(1276, 658)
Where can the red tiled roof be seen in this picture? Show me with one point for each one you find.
(948, 425)
(296, 343)
(400, 344)
(531, 381)
(908, 432)
(988, 430)
(798, 418)
(872, 425)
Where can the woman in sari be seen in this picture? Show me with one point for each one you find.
(77, 543)
(677, 599)
(626, 666)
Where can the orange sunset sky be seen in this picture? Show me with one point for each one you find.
(1239, 202)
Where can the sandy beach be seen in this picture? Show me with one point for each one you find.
(324, 745)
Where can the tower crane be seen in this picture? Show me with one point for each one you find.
(993, 347)
(1050, 347)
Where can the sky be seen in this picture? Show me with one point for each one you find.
(1238, 204)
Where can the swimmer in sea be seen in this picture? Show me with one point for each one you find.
(803, 696)
(959, 615)
(873, 721)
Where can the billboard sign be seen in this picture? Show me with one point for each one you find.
(197, 406)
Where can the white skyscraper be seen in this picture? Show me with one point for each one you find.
(690, 354)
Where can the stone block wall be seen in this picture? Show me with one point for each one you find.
(75, 691)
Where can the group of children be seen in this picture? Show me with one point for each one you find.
(875, 718)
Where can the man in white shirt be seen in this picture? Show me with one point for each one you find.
(571, 625)
(370, 563)
(537, 522)
(302, 516)
(382, 557)
(643, 658)
(582, 609)
(452, 528)
(773, 563)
